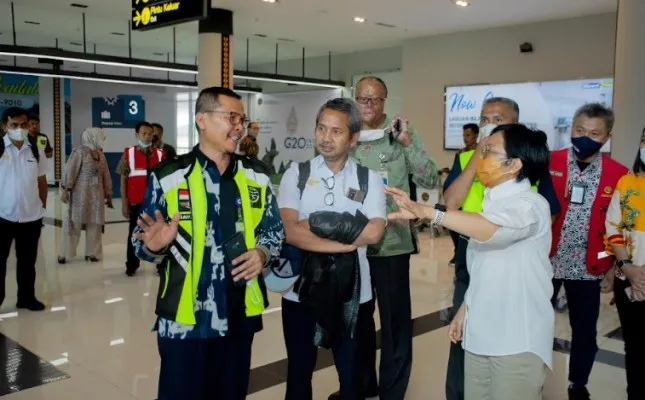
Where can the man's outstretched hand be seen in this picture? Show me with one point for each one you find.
(157, 233)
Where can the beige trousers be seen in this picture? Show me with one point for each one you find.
(93, 243)
(515, 377)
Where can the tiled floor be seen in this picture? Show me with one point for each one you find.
(97, 330)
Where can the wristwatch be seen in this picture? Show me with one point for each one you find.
(621, 263)
(440, 207)
(439, 214)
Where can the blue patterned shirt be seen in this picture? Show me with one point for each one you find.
(210, 302)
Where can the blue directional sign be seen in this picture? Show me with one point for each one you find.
(123, 111)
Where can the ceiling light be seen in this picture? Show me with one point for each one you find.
(32, 22)
(360, 20)
(270, 1)
(461, 3)
(118, 33)
(77, 5)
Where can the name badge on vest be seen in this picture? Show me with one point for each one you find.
(254, 194)
(239, 221)
(578, 193)
(184, 203)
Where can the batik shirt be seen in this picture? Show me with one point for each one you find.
(210, 302)
(570, 259)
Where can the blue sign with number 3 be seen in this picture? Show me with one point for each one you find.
(123, 111)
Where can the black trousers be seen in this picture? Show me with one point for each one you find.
(391, 281)
(455, 240)
(132, 263)
(583, 298)
(455, 372)
(205, 369)
(299, 324)
(26, 235)
(632, 321)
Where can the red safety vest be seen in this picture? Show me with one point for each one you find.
(598, 260)
(139, 167)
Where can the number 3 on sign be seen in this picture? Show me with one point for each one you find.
(133, 107)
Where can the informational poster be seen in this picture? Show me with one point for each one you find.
(123, 111)
(287, 126)
(547, 106)
(19, 91)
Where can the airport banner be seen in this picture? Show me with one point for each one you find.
(19, 91)
(547, 106)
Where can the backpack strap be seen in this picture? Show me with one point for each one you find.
(304, 170)
(1, 146)
(363, 179)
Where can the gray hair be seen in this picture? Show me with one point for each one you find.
(512, 104)
(596, 110)
(346, 106)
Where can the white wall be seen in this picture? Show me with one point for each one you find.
(564, 49)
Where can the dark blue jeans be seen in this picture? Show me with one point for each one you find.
(205, 369)
(299, 324)
(583, 299)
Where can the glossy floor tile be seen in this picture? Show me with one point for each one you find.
(97, 328)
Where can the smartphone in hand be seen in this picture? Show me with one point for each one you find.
(234, 247)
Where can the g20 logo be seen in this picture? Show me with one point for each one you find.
(298, 143)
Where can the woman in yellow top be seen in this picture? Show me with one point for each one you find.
(626, 234)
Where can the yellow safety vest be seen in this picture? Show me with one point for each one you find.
(187, 196)
(475, 197)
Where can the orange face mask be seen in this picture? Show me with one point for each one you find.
(489, 170)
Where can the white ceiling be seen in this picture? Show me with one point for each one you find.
(320, 26)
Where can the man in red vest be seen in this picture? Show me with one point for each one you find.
(584, 181)
(135, 167)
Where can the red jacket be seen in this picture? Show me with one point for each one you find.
(598, 260)
(139, 166)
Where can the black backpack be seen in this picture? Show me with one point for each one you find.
(34, 148)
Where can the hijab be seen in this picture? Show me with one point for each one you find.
(94, 138)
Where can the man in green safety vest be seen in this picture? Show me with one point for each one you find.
(210, 219)
(463, 190)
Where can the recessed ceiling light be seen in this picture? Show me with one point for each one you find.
(461, 3)
(270, 1)
(360, 20)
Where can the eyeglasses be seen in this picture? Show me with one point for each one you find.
(330, 183)
(376, 101)
(233, 117)
(486, 150)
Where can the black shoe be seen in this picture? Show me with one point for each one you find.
(579, 393)
(62, 260)
(31, 305)
(130, 272)
(452, 262)
(334, 396)
(91, 259)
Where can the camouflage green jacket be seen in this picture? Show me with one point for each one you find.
(399, 162)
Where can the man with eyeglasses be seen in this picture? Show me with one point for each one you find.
(211, 220)
(393, 149)
(344, 197)
(462, 190)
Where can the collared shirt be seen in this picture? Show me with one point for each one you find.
(313, 199)
(399, 162)
(211, 301)
(19, 173)
(570, 259)
(509, 298)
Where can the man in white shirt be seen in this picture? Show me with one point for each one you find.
(333, 185)
(23, 197)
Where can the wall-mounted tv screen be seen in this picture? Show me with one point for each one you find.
(547, 106)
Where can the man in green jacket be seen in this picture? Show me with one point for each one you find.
(392, 148)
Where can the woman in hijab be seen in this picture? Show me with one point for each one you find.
(86, 188)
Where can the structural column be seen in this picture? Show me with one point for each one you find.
(629, 81)
(215, 59)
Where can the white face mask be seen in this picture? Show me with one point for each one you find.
(18, 134)
(643, 155)
(485, 131)
(371, 135)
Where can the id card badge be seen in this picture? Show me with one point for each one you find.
(384, 176)
(578, 193)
